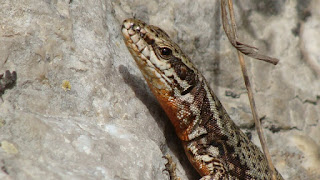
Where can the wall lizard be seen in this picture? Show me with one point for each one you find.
(213, 143)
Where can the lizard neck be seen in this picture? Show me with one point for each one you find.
(189, 112)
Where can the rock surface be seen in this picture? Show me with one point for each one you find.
(81, 110)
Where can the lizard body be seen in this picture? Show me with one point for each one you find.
(213, 143)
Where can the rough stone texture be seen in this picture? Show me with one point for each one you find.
(81, 110)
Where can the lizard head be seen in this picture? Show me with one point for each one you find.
(161, 61)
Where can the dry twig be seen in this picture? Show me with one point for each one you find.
(250, 51)
(242, 47)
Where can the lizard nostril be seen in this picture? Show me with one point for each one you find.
(136, 27)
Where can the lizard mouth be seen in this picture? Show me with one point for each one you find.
(139, 42)
(135, 36)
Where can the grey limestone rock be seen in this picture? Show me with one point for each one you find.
(80, 108)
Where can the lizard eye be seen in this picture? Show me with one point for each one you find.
(165, 51)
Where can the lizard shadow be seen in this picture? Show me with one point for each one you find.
(141, 91)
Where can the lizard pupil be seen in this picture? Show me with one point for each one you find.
(165, 51)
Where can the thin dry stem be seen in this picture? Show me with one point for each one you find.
(232, 36)
(246, 49)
